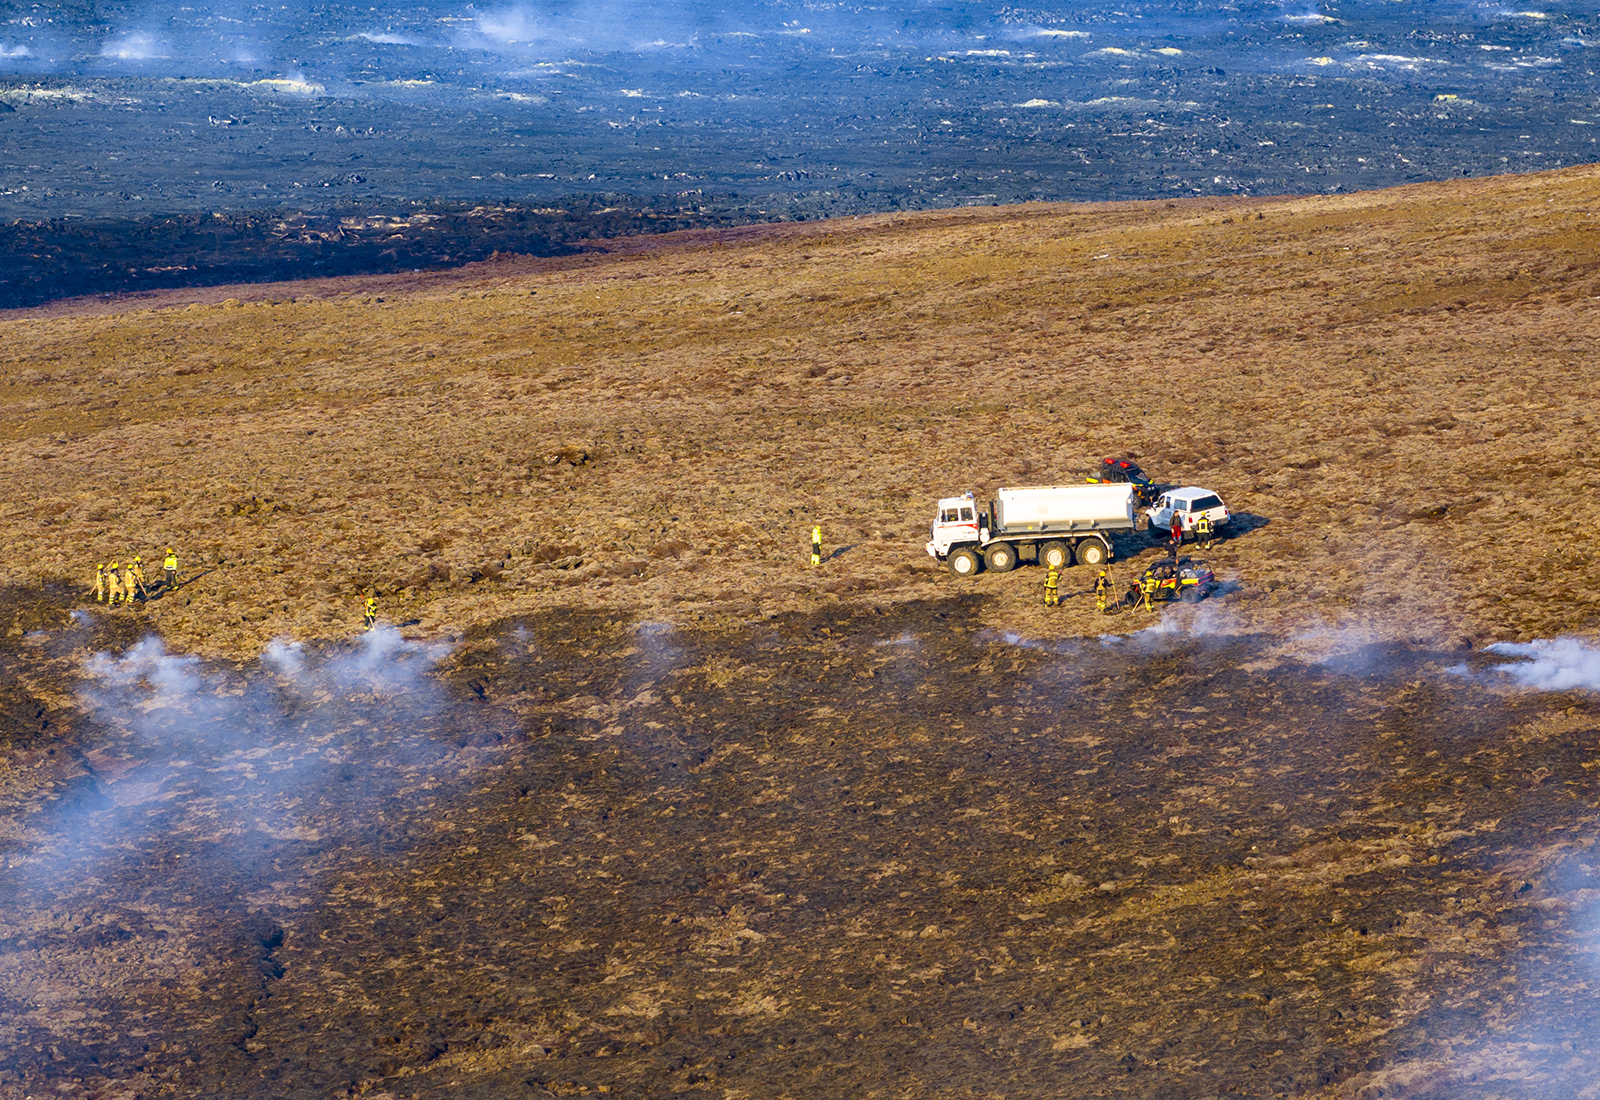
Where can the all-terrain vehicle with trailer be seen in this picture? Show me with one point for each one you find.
(1056, 524)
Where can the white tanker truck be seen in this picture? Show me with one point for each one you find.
(1058, 523)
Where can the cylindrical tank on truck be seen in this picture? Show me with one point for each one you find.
(1056, 524)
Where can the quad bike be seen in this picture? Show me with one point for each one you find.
(1187, 579)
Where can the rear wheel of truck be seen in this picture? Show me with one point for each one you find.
(1001, 558)
(963, 563)
(1055, 555)
(1092, 552)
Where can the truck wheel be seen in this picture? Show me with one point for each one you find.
(1055, 555)
(1092, 552)
(963, 563)
(1001, 558)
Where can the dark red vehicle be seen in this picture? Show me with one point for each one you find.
(1116, 471)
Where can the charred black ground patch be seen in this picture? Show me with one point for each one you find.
(60, 258)
(828, 855)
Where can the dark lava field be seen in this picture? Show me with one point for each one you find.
(843, 854)
(153, 145)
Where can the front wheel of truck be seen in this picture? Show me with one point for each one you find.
(962, 563)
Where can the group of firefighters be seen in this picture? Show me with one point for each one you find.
(118, 582)
(1143, 592)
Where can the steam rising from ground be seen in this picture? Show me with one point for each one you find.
(167, 698)
(255, 744)
(1552, 664)
(135, 47)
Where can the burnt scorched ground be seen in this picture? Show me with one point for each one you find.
(61, 258)
(844, 854)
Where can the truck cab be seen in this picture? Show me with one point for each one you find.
(956, 522)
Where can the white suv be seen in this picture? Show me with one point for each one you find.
(1189, 504)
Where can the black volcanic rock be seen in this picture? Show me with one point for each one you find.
(40, 261)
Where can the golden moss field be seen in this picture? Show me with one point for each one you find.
(1401, 384)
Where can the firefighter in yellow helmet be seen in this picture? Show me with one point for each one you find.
(1102, 592)
(137, 570)
(114, 583)
(170, 566)
(100, 583)
(1148, 587)
(127, 583)
(1052, 587)
(371, 613)
(816, 545)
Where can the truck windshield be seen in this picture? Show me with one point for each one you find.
(966, 515)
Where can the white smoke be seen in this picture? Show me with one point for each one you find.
(138, 46)
(660, 652)
(1343, 647)
(605, 25)
(170, 679)
(266, 736)
(1014, 640)
(387, 38)
(1552, 664)
(382, 662)
(141, 688)
(215, 787)
(511, 27)
(1212, 617)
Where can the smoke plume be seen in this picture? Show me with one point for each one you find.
(253, 746)
(1552, 664)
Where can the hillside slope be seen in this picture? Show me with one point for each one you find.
(1398, 386)
(672, 813)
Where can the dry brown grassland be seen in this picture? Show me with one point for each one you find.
(1402, 383)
